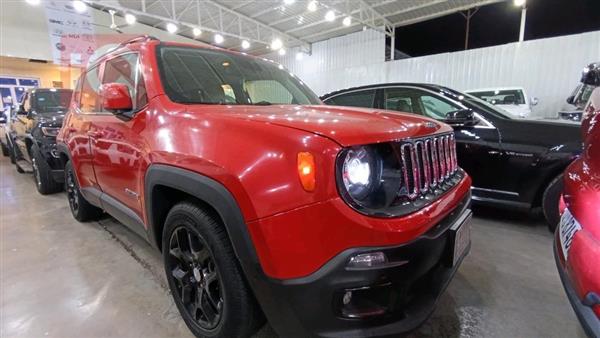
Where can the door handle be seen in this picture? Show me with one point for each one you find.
(94, 134)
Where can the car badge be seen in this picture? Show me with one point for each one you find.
(429, 125)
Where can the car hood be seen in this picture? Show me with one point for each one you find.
(346, 125)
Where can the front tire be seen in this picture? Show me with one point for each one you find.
(550, 201)
(4, 150)
(42, 174)
(204, 276)
(11, 153)
(81, 209)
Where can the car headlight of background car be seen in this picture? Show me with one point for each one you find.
(50, 131)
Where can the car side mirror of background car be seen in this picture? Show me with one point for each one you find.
(460, 118)
(571, 99)
(534, 101)
(116, 98)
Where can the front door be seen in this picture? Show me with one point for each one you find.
(117, 144)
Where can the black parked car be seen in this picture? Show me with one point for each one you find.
(32, 136)
(514, 163)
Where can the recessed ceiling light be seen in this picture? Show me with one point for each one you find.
(245, 44)
(276, 44)
(347, 21)
(519, 3)
(33, 2)
(130, 19)
(330, 16)
(196, 31)
(219, 38)
(79, 6)
(312, 6)
(282, 51)
(172, 28)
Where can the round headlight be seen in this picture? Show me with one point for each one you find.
(357, 172)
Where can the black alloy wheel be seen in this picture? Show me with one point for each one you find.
(72, 191)
(198, 283)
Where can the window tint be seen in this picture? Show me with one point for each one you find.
(195, 75)
(125, 69)
(89, 101)
(508, 96)
(400, 99)
(436, 108)
(363, 98)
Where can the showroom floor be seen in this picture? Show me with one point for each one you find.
(60, 278)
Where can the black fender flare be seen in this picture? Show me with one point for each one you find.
(208, 191)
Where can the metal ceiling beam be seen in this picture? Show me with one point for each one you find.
(446, 12)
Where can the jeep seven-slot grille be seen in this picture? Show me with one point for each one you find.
(428, 165)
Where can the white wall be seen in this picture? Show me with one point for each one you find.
(548, 68)
(24, 31)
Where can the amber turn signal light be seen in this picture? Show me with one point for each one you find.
(306, 170)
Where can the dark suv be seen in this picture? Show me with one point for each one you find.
(333, 221)
(515, 163)
(32, 136)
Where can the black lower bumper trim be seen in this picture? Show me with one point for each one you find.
(310, 306)
(588, 319)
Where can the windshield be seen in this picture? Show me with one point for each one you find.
(583, 96)
(503, 96)
(475, 101)
(195, 75)
(50, 101)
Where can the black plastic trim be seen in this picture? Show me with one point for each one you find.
(588, 319)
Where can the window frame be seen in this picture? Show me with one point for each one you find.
(375, 103)
(138, 76)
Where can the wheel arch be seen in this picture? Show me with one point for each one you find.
(165, 185)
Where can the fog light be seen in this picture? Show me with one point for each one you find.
(365, 302)
(367, 260)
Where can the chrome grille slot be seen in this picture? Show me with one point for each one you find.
(428, 165)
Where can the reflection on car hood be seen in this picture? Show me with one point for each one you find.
(51, 120)
(345, 125)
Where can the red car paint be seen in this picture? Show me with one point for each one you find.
(582, 199)
(252, 151)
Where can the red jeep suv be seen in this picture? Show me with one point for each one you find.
(331, 221)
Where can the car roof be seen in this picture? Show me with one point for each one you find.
(429, 86)
(493, 89)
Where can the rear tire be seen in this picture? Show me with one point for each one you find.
(11, 154)
(4, 150)
(15, 157)
(81, 209)
(204, 276)
(42, 174)
(550, 201)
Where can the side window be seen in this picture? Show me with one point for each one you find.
(89, 101)
(436, 108)
(400, 99)
(364, 99)
(125, 69)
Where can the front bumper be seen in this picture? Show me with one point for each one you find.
(588, 319)
(313, 305)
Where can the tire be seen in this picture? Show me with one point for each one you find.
(205, 266)
(4, 149)
(550, 201)
(42, 175)
(81, 209)
(14, 159)
(11, 154)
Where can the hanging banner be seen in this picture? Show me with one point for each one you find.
(71, 33)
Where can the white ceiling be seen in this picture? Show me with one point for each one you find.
(261, 21)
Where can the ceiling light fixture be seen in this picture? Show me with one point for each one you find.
(276, 44)
(312, 6)
(519, 3)
(33, 2)
(245, 44)
(282, 51)
(196, 31)
(219, 38)
(330, 16)
(79, 6)
(172, 28)
(130, 19)
(288, 2)
(347, 21)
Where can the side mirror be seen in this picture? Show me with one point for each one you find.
(115, 98)
(534, 101)
(571, 99)
(460, 118)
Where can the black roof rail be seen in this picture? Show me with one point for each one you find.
(138, 39)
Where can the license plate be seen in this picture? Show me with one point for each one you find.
(462, 238)
(567, 229)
